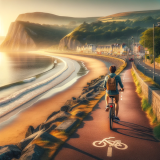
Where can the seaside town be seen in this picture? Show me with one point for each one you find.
(114, 49)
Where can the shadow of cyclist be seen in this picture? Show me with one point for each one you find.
(136, 131)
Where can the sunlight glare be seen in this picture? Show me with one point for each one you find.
(1, 29)
(1, 57)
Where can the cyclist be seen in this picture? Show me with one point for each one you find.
(114, 93)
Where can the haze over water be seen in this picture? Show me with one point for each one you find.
(19, 66)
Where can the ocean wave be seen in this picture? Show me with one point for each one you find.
(24, 95)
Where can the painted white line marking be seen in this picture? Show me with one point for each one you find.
(112, 143)
(109, 152)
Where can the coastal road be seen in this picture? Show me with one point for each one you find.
(148, 70)
(132, 137)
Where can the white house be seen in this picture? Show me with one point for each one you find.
(89, 48)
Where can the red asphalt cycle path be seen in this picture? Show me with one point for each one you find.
(133, 130)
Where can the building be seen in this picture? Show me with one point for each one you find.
(89, 48)
(137, 48)
(104, 49)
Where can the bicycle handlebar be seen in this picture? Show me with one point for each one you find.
(121, 90)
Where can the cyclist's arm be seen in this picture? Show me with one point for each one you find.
(105, 81)
(120, 82)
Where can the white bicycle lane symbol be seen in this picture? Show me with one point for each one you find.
(117, 144)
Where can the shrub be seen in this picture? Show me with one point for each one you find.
(147, 56)
(145, 104)
(156, 131)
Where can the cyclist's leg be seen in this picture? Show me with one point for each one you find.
(117, 106)
(107, 99)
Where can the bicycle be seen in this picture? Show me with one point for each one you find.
(112, 111)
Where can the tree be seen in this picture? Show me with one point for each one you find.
(147, 40)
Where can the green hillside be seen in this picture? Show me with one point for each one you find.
(111, 32)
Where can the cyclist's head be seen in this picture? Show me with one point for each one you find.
(112, 69)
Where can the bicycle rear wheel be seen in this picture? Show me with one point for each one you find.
(110, 119)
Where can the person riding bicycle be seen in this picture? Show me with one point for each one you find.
(114, 92)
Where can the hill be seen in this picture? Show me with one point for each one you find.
(47, 18)
(40, 32)
(31, 36)
(131, 15)
(107, 32)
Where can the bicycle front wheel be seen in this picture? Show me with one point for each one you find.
(110, 119)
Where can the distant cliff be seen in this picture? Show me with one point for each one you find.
(1, 39)
(18, 38)
(47, 18)
(69, 42)
(29, 36)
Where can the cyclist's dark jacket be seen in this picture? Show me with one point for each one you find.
(118, 80)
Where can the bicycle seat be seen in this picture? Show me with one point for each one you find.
(112, 96)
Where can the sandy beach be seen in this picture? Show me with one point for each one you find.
(38, 113)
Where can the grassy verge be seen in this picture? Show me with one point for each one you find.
(147, 79)
(147, 108)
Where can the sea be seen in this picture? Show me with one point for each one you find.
(15, 67)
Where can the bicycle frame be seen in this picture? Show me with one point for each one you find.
(111, 112)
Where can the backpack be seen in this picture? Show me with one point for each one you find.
(111, 83)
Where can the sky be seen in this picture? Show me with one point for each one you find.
(10, 9)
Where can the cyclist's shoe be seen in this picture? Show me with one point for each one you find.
(116, 118)
(107, 108)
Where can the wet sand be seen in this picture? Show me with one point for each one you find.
(38, 113)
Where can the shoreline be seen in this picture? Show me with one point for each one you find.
(37, 72)
(26, 94)
(37, 114)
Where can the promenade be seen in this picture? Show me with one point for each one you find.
(133, 134)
